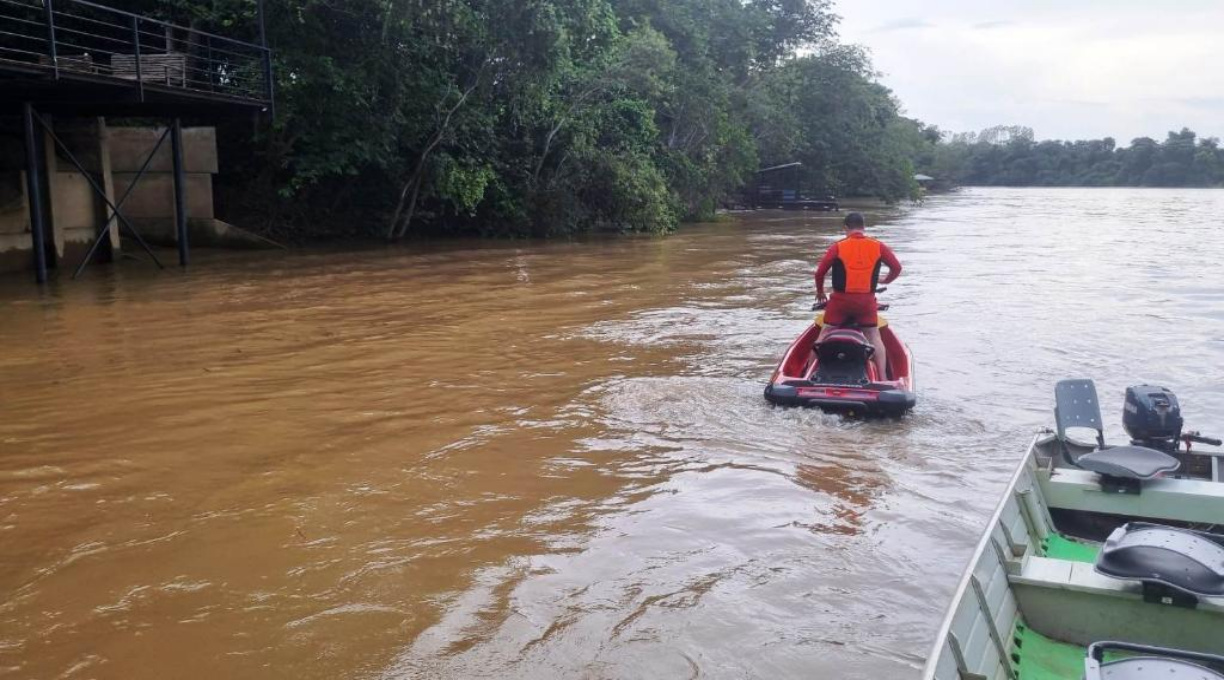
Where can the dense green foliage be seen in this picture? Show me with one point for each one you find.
(543, 117)
(1008, 156)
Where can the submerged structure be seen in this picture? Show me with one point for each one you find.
(783, 186)
(66, 65)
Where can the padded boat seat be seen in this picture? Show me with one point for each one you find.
(1170, 664)
(1122, 468)
(1128, 462)
(1189, 561)
(1156, 668)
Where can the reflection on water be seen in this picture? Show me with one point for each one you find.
(552, 460)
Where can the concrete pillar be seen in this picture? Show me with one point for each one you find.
(54, 212)
(108, 184)
(77, 212)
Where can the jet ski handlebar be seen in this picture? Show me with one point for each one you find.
(819, 307)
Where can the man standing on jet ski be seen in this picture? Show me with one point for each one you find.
(855, 261)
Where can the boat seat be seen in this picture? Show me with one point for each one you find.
(1076, 405)
(1128, 462)
(1188, 561)
(1155, 663)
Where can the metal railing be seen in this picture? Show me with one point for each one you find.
(81, 40)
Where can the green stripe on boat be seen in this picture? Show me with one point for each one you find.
(1059, 547)
(1037, 657)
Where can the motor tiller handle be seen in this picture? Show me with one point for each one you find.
(1199, 439)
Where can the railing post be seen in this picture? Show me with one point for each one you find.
(259, 17)
(34, 194)
(211, 66)
(136, 47)
(49, 12)
(267, 58)
(180, 189)
(269, 87)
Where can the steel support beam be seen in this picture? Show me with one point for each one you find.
(34, 194)
(180, 191)
(114, 214)
(98, 190)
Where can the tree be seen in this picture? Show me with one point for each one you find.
(983, 159)
(545, 117)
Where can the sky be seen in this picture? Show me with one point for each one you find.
(1069, 69)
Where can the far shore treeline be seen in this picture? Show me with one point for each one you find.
(549, 117)
(1009, 156)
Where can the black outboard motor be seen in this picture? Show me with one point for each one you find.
(1152, 417)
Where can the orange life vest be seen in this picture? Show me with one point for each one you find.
(857, 267)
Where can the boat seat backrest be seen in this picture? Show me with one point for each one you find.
(1189, 561)
(1076, 405)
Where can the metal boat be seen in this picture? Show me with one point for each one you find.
(1100, 561)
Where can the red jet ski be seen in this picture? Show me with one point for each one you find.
(837, 374)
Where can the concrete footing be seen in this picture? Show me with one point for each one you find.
(113, 156)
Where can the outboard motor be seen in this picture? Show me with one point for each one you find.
(1152, 417)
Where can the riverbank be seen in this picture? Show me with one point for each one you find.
(221, 242)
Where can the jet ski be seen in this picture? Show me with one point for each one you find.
(837, 374)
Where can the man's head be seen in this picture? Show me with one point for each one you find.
(854, 221)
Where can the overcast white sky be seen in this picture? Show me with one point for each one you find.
(1070, 69)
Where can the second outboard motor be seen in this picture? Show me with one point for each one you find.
(1152, 417)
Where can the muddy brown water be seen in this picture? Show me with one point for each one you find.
(552, 460)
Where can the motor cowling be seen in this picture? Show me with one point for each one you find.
(1151, 414)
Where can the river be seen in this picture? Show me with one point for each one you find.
(553, 460)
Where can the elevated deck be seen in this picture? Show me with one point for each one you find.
(78, 59)
(81, 58)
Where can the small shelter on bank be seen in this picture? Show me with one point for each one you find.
(784, 186)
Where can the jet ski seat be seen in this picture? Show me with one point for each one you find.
(1164, 558)
(843, 340)
(1153, 663)
(1122, 468)
(841, 359)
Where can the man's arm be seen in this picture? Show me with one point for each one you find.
(822, 270)
(890, 261)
